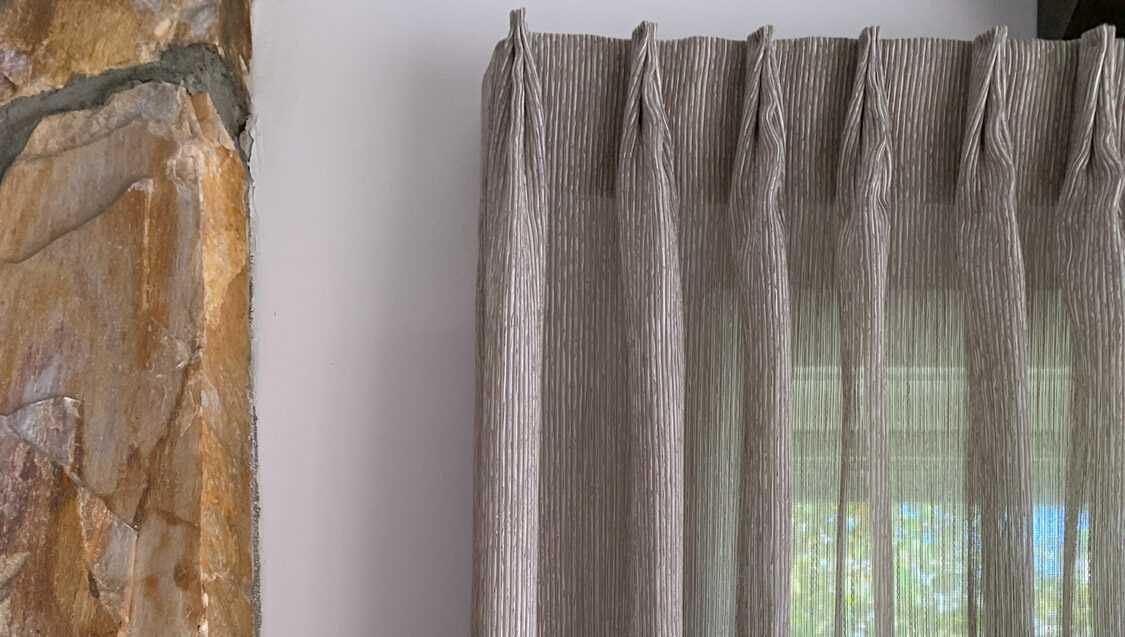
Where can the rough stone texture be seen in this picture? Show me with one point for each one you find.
(46, 43)
(125, 447)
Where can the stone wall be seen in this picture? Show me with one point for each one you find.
(126, 450)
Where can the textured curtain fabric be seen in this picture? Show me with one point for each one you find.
(801, 337)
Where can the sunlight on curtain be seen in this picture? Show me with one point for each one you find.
(926, 398)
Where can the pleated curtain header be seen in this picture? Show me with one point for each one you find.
(925, 89)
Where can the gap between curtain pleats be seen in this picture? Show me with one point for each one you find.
(649, 255)
(998, 452)
(510, 304)
(758, 246)
(861, 279)
(1093, 281)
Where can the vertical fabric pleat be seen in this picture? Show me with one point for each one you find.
(760, 261)
(998, 452)
(510, 303)
(861, 277)
(647, 222)
(1092, 275)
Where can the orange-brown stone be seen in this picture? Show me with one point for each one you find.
(45, 43)
(125, 447)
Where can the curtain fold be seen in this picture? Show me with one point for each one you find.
(510, 305)
(757, 235)
(654, 371)
(862, 246)
(998, 452)
(1093, 280)
(821, 336)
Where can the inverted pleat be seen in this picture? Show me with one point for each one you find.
(998, 451)
(653, 327)
(1092, 275)
(510, 301)
(862, 247)
(758, 245)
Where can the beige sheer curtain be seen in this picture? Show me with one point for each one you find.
(810, 337)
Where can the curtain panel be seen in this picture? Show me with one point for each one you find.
(819, 336)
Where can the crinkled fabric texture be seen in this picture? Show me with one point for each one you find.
(809, 337)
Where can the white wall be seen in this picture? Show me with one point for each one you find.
(365, 169)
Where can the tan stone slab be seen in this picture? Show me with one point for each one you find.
(125, 459)
(45, 43)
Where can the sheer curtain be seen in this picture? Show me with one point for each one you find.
(813, 337)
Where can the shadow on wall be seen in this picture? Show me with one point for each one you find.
(423, 280)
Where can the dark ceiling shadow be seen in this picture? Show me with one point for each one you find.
(1069, 19)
